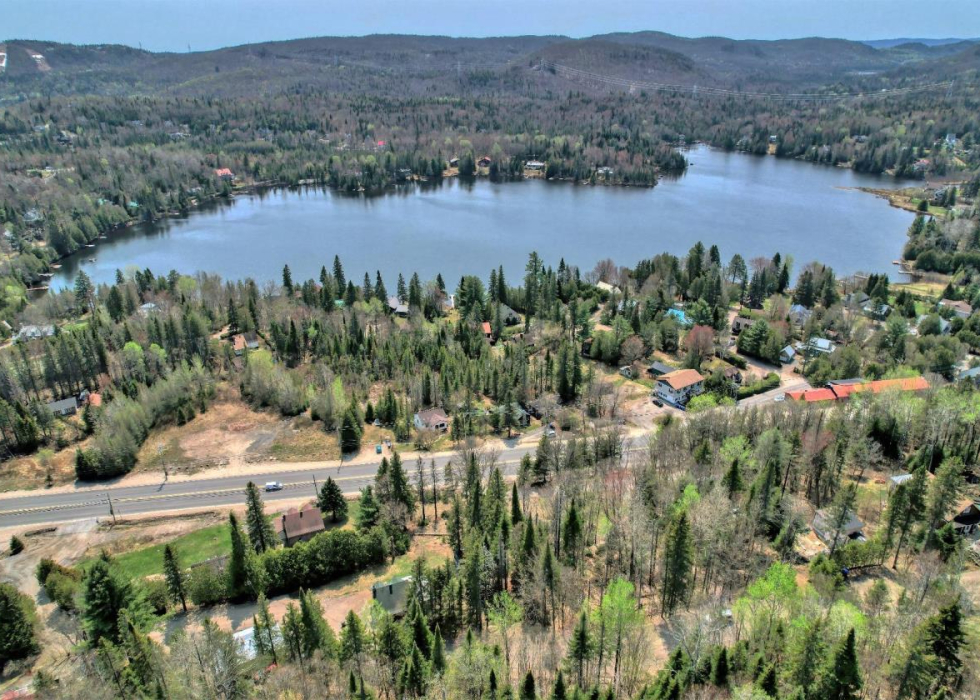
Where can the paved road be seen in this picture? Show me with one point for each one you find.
(42, 507)
(90, 502)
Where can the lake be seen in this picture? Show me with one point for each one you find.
(745, 204)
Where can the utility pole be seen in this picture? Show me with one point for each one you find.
(316, 490)
(111, 511)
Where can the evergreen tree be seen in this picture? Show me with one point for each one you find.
(104, 596)
(438, 654)
(350, 432)
(515, 506)
(720, 669)
(260, 531)
(528, 691)
(317, 634)
(572, 534)
(678, 560)
(352, 642)
(412, 680)
(338, 276)
(18, 625)
(945, 636)
(174, 577)
(237, 572)
(331, 500)
(370, 511)
(293, 633)
(559, 692)
(287, 280)
(264, 630)
(581, 647)
(768, 682)
(841, 678)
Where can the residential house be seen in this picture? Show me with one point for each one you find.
(522, 418)
(397, 307)
(65, 407)
(508, 315)
(740, 323)
(147, 309)
(843, 389)
(681, 317)
(967, 519)
(732, 374)
(299, 525)
(898, 480)
(534, 165)
(487, 330)
(820, 346)
(224, 174)
(799, 315)
(251, 340)
(604, 172)
(960, 308)
(969, 375)
(238, 343)
(787, 354)
(825, 528)
(679, 386)
(454, 162)
(626, 371)
(33, 333)
(878, 312)
(608, 288)
(659, 368)
(857, 299)
(944, 324)
(432, 419)
(484, 161)
(393, 596)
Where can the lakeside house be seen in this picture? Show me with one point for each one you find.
(299, 525)
(799, 315)
(484, 161)
(681, 317)
(431, 419)
(679, 386)
(658, 369)
(825, 528)
(740, 323)
(960, 309)
(64, 407)
(534, 165)
(969, 375)
(508, 315)
(967, 518)
(393, 595)
(820, 346)
(397, 307)
(34, 333)
(224, 174)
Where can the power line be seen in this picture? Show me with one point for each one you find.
(695, 90)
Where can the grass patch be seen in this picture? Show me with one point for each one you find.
(192, 548)
(305, 444)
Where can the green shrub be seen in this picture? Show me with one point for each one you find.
(62, 590)
(16, 545)
(206, 585)
(155, 591)
(767, 383)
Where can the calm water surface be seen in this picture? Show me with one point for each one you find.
(744, 204)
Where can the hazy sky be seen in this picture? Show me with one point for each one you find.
(207, 24)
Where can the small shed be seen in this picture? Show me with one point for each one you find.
(393, 595)
(824, 527)
(658, 369)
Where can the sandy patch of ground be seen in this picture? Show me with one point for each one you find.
(31, 471)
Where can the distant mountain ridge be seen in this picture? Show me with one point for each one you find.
(414, 65)
(890, 43)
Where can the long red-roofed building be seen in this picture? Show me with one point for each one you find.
(840, 392)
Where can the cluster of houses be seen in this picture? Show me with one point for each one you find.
(843, 389)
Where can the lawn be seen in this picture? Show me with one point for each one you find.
(192, 548)
(195, 547)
